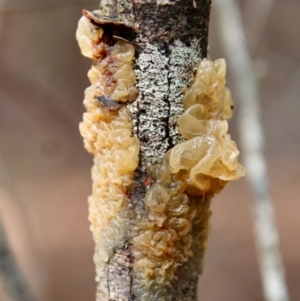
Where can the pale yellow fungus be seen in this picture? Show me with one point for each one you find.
(87, 35)
(106, 129)
(176, 224)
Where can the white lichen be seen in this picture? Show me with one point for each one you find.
(106, 7)
(166, 2)
(183, 60)
(151, 107)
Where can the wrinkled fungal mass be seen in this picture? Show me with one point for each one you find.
(173, 233)
(170, 237)
(107, 133)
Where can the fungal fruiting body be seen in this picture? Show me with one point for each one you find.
(169, 236)
(106, 129)
(174, 229)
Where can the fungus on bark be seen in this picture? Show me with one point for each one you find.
(155, 123)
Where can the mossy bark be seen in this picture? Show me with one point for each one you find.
(170, 37)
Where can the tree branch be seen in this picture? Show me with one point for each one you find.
(155, 123)
(169, 39)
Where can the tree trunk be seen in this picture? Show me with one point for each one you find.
(170, 39)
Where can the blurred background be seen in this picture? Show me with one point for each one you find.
(45, 171)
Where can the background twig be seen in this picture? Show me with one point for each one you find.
(260, 10)
(251, 136)
(10, 275)
(9, 272)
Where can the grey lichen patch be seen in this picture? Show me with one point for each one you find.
(152, 104)
(164, 50)
(119, 270)
(107, 7)
(166, 2)
(183, 61)
(162, 79)
(121, 9)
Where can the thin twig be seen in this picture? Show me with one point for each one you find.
(9, 272)
(251, 136)
(256, 16)
(10, 275)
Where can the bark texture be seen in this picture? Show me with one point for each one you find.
(170, 37)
